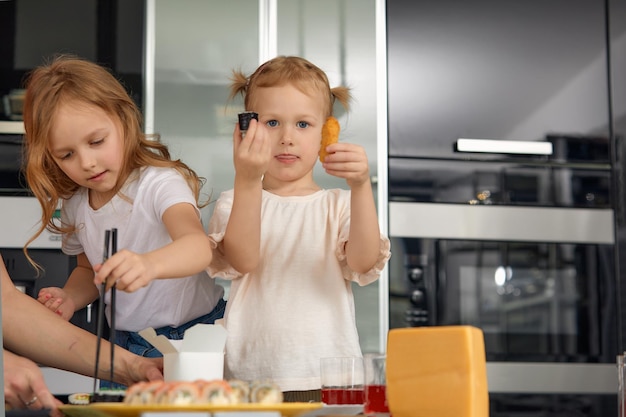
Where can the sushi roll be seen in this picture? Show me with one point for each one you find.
(182, 393)
(265, 392)
(134, 393)
(143, 392)
(218, 392)
(241, 391)
(108, 396)
(79, 398)
(159, 395)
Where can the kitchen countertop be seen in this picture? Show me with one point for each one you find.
(63, 382)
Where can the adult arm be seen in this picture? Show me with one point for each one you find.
(31, 330)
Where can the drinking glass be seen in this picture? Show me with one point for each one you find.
(375, 385)
(342, 380)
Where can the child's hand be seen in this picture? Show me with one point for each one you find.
(127, 270)
(252, 154)
(57, 300)
(349, 161)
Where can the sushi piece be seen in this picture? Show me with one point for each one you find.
(134, 393)
(218, 392)
(108, 396)
(142, 392)
(265, 392)
(79, 398)
(160, 394)
(241, 391)
(182, 393)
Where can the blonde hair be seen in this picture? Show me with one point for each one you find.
(283, 70)
(72, 79)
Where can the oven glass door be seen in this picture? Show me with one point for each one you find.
(535, 302)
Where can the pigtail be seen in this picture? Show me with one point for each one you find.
(342, 94)
(239, 84)
(288, 69)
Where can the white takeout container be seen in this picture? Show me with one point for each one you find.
(199, 355)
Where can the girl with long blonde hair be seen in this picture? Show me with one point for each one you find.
(85, 151)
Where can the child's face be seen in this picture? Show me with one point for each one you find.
(87, 145)
(294, 121)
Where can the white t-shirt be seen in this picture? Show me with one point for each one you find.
(297, 306)
(138, 219)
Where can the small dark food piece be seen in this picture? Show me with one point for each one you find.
(83, 398)
(244, 121)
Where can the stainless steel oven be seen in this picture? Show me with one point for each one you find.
(523, 248)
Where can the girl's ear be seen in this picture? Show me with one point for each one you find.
(330, 135)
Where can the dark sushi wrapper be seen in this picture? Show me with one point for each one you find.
(97, 397)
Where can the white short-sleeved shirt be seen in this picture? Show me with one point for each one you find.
(137, 213)
(297, 306)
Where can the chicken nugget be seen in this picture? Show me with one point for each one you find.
(330, 135)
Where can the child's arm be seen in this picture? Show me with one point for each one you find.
(363, 246)
(242, 238)
(349, 161)
(188, 253)
(77, 292)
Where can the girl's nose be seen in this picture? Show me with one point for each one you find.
(285, 137)
(87, 160)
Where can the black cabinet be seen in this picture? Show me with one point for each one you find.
(109, 32)
(494, 69)
(56, 269)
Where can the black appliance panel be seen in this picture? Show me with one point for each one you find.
(56, 269)
(553, 405)
(109, 32)
(500, 182)
(493, 69)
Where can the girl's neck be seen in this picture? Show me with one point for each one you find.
(290, 189)
(98, 200)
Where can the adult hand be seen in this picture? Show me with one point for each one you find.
(24, 386)
(139, 369)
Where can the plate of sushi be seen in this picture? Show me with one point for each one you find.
(196, 396)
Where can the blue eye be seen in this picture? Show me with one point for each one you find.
(272, 123)
(302, 125)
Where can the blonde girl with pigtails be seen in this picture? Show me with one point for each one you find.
(291, 248)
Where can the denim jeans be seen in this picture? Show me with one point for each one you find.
(133, 342)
